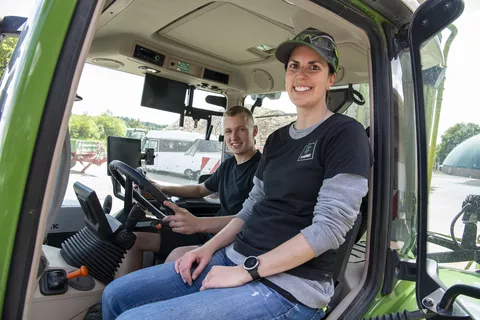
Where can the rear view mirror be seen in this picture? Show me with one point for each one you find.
(340, 99)
(259, 98)
(271, 96)
(11, 26)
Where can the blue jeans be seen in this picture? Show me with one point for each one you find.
(159, 292)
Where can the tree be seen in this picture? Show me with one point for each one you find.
(6, 49)
(83, 127)
(454, 136)
(110, 126)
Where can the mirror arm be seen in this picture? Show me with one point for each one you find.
(11, 26)
(258, 103)
(453, 292)
(209, 128)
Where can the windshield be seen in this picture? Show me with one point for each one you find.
(111, 107)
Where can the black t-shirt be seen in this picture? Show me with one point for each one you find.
(293, 171)
(233, 183)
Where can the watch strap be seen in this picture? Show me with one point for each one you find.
(254, 273)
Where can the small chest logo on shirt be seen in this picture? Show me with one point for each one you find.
(308, 152)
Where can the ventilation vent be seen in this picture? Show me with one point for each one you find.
(216, 76)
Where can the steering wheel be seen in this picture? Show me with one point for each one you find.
(117, 169)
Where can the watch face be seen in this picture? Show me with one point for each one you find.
(250, 263)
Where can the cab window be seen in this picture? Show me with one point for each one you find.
(280, 111)
(452, 127)
(112, 108)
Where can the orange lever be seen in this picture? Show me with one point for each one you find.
(82, 272)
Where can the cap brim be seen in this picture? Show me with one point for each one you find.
(285, 49)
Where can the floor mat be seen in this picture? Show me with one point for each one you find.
(95, 312)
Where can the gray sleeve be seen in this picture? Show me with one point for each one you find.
(338, 204)
(255, 195)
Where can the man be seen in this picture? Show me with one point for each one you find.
(233, 181)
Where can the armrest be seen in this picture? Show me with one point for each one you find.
(195, 203)
(200, 207)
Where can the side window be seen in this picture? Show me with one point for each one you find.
(404, 222)
(449, 202)
(453, 125)
(274, 114)
(164, 146)
(153, 144)
(209, 146)
(361, 112)
(182, 146)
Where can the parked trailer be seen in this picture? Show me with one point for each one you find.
(89, 152)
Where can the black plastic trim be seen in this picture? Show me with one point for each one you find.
(407, 270)
(383, 153)
(391, 271)
(53, 114)
(395, 11)
(108, 4)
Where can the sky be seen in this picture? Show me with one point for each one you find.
(122, 92)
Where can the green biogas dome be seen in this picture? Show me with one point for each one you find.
(464, 160)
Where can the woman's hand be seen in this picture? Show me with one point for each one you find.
(225, 277)
(183, 221)
(183, 266)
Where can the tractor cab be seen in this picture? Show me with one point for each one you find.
(155, 79)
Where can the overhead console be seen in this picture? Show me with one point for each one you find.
(147, 55)
(156, 61)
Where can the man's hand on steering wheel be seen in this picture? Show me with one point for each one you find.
(182, 221)
(118, 170)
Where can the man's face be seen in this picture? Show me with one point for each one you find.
(239, 134)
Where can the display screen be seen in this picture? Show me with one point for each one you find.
(164, 94)
(124, 149)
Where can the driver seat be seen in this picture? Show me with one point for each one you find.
(344, 251)
(343, 254)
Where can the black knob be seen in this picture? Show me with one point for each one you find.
(133, 217)
(107, 204)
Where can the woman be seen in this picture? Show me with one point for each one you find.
(274, 260)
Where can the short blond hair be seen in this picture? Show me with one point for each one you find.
(236, 110)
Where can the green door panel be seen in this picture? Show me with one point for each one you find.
(449, 277)
(24, 90)
(402, 298)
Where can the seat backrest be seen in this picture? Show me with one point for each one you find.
(343, 252)
(363, 207)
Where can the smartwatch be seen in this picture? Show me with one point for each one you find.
(251, 265)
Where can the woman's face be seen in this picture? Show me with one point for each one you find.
(307, 79)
